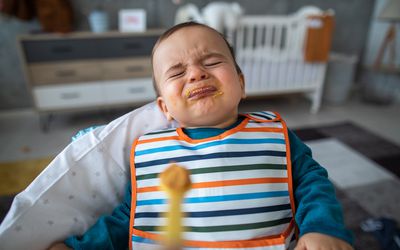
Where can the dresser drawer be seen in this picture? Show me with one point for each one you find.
(129, 91)
(66, 72)
(126, 68)
(60, 50)
(135, 46)
(68, 96)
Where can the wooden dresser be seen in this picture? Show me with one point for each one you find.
(86, 70)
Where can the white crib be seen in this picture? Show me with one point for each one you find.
(270, 52)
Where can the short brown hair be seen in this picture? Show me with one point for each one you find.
(177, 27)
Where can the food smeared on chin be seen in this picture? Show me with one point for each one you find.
(197, 93)
(218, 93)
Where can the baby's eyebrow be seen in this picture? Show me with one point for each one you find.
(213, 54)
(174, 67)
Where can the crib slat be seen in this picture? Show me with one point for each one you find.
(249, 37)
(270, 52)
(289, 50)
(259, 36)
(277, 52)
(239, 42)
(259, 59)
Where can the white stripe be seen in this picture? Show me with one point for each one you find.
(242, 189)
(144, 246)
(276, 247)
(219, 205)
(241, 135)
(271, 113)
(218, 220)
(210, 150)
(246, 174)
(238, 135)
(215, 162)
(264, 114)
(258, 135)
(290, 245)
(264, 125)
(231, 235)
(235, 235)
(147, 137)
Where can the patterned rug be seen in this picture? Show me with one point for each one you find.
(364, 196)
(377, 151)
(374, 147)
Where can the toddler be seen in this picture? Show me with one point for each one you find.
(255, 184)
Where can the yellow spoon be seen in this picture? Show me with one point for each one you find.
(175, 181)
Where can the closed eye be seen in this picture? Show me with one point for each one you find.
(180, 73)
(212, 63)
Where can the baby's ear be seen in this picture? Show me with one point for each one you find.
(242, 85)
(163, 107)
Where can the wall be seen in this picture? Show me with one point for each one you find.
(376, 35)
(13, 90)
(353, 18)
(160, 13)
(378, 86)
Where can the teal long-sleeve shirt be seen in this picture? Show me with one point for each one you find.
(317, 209)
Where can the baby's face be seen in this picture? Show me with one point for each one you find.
(197, 79)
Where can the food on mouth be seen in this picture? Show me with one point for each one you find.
(203, 91)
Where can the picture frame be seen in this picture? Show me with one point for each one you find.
(132, 20)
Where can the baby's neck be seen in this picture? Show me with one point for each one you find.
(226, 125)
(211, 124)
(206, 132)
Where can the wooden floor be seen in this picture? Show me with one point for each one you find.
(15, 176)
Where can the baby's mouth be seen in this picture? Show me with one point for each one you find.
(201, 92)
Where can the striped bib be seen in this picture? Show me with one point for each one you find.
(241, 195)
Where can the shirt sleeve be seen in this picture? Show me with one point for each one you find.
(317, 209)
(109, 232)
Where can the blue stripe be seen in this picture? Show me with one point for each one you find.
(147, 215)
(210, 156)
(151, 202)
(231, 197)
(210, 144)
(272, 115)
(260, 115)
(142, 240)
(217, 213)
(242, 211)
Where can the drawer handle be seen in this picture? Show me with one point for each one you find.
(69, 96)
(136, 90)
(132, 46)
(66, 73)
(61, 49)
(137, 68)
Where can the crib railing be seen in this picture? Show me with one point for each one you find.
(270, 52)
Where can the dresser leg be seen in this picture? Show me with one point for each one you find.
(44, 121)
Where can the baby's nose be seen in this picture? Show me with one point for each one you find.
(197, 74)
